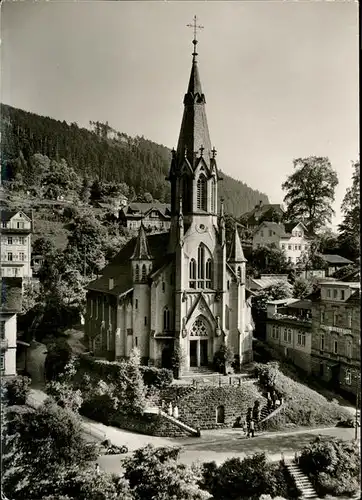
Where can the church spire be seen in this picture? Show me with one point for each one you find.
(141, 250)
(194, 133)
(236, 250)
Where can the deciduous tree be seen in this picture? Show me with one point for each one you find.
(310, 191)
(349, 229)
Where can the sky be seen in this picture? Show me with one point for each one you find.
(280, 78)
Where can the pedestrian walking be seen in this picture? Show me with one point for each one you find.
(252, 428)
(170, 409)
(245, 427)
(274, 398)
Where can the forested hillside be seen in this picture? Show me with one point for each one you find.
(102, 153)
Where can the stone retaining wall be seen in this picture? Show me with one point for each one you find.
(198, 407)
(150, 424)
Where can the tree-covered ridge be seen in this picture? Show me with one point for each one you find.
(102, 153)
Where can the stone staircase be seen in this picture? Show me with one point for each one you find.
(189, 430)
(301, 480)
(266, 414)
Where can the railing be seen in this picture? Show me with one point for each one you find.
(299, 319)
(216, 380)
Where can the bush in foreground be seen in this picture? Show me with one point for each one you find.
(16, 389)
(245, 479)
(333, 466)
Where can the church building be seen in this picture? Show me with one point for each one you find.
(184, 287)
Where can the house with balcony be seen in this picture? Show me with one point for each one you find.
(155, 217)
(290, 237)
(289, 330)
(336, 330)
(11, 304)
(16, 229)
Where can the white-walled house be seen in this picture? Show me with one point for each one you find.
(16, 228)
(290, 237)
(11, 302)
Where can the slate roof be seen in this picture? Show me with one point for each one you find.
(120, 268)
(335, 259)
(260, 210)
(355, 297)
(141, 250)
(11, 295)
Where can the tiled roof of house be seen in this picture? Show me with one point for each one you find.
(272, 280)
(11, 295)
(301, 304)
(120, 268)
(137, 210)
(335, 259)
(261, 209)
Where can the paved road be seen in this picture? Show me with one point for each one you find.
(215, 445)
(222, 445)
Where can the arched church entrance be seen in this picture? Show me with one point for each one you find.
(199, 343)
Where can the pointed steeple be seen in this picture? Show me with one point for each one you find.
(194, 133)
(236, 250)
(141, 250)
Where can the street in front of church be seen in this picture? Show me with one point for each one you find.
(220, 445)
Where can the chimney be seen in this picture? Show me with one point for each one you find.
(110, 283)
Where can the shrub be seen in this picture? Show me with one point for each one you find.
(156, 377)
(17, 390)
(237, 479)
(303, 406)
(57, 358)
(223, 357)
(64, 395)
(333, 466)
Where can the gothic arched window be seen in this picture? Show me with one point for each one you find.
(239, 272)
(202, 193)
(137, 273)
(200, 265)
(144, 272)
(209, 273)
(192, 273)
(166, 318)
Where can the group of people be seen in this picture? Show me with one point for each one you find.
(273, 400)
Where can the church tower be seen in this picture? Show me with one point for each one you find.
(197, 233)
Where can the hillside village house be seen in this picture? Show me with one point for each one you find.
(291, 237)
(289, 330)
(11, 304)
(334, 262)
(153, 216)
(336, 331)
(182, 287)
(272, 212)
(16, 228)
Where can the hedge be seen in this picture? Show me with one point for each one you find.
(156, 377)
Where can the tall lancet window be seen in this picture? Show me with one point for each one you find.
(192, 273)
(137, 273)
(201, 266)
(202, 193)
(186, 194)
(213, 196)
(208, 273)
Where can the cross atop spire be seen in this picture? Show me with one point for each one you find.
(195, 27)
